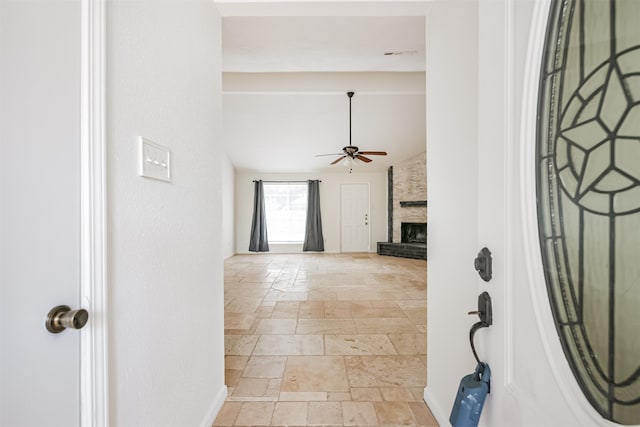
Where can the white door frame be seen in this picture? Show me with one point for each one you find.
(94, 380)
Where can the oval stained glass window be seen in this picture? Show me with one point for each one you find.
(588, 190)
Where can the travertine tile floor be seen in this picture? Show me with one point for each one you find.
(325, 340)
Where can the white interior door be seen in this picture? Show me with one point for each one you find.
(355, 218)
(40, 210)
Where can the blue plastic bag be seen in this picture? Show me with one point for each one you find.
(472, 391)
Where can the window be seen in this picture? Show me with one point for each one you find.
(286, 211)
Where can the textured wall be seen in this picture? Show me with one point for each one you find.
(409, 184)
(166, 326)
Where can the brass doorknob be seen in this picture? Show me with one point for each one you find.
(62, 317)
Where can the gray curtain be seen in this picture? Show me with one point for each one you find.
(259, 241)
(313, 240)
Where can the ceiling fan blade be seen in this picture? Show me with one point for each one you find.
(332, 154)
(337, 160)
(373, 153)
(363, 158)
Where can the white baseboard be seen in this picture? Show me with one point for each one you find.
(211, 415)
(441, 416)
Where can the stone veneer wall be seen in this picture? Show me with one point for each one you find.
(409, 184)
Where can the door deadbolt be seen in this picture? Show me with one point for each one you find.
(482, 264)
(62, 317)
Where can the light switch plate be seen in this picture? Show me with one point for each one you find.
(155, 160)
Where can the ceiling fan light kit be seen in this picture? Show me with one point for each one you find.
(351, 152)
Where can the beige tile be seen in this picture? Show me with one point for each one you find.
(276, 326)
(284, 345)
(302, 396)
(384, 326)
(337, 312)
(255, 414)
(422, 414)
(383, 304)
(325, 326)
(265, 367)
(228, 414)
(322, 295)
(413, 303)
(385, 371)
(243, 305)
(360, 309)
(231, 377)
(278, 296)
(366, 394)
(376, 312)
(228, 332)
(358, 345)
(269, 305)
(418, 393)
(290, 414)
(273, 389)
(417, 315)
(369, 294)
(235, 362)
(325, 413)
(359, 414)
(248, 387)
(394, 414)
(239, 345)
(245, 291)
(397, 394)
(338, 396)
(264, 312)
(409, 343)
(315, 373)
(285, 310)
(238, 320)
(345, 305)
(311, 310)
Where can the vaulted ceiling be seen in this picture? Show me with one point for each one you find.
(285, 80)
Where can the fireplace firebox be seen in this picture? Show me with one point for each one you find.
(413, 232)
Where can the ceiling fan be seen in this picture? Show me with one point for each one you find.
(351, 152)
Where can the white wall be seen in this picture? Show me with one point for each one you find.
(329, 206)
(228, 208)
(452, 170)
(165, 258)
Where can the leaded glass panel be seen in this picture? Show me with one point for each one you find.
(588, 185)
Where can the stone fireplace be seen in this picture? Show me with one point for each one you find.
(407, 210)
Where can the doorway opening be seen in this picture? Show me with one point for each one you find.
(305, 333)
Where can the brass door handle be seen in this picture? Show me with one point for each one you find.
(62, 317)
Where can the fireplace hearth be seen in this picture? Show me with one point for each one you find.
(413, 244)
